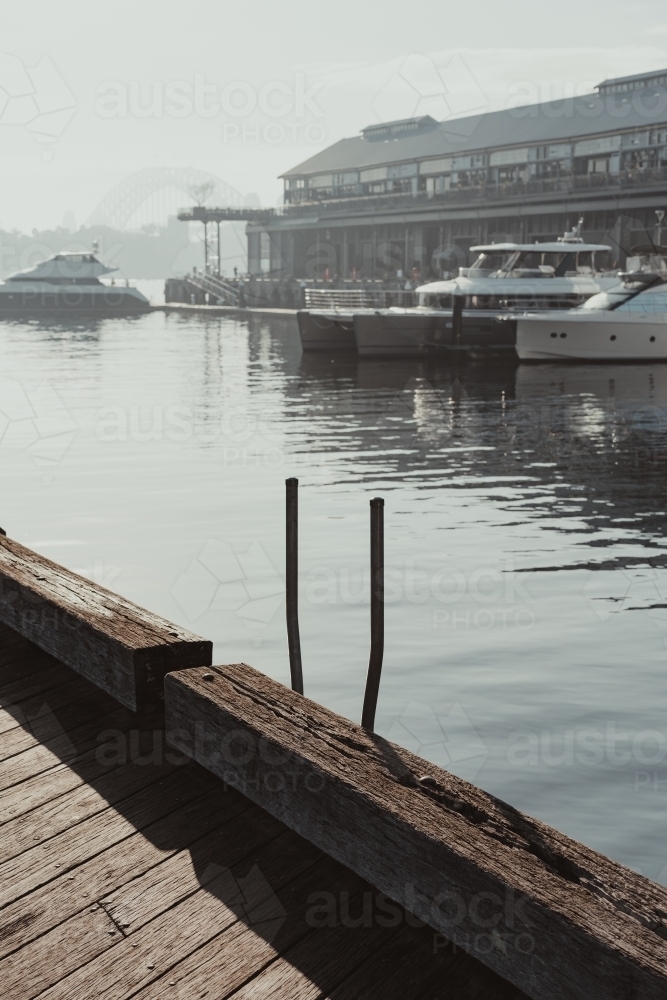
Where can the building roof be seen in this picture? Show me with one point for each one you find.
(381, 130)
(554, 121)
(655, 74)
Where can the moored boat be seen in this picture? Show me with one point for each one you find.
(471, 312)
(626, 323)
(68, 283)
(326, 330)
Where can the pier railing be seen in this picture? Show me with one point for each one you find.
(357, 298)
(214, 285)
(627, 180)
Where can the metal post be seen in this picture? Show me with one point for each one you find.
(457, 318)
(205, 247)
(292, 583)
(377, 614)
(218, 268)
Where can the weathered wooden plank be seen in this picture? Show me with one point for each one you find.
(48, 678)
(23, 756)
(543, 911)
(64, 896)
(157, 947)
(120, 647)
(39, 788)
(76, 806)
(78, 940)
(271, 925)
(43, 962)
(410, 967)
(162, 886)
(22, 664)
(316, 964)
(67, 850)
(45, 713)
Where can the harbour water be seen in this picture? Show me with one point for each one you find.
(526, 619)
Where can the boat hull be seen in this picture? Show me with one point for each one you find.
(326, 331)
(101, 300)
(609, 336)
(408, 335)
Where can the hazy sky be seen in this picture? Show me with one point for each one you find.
(90, 93)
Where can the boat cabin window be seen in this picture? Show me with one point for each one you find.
(490, 261)
(650, 301)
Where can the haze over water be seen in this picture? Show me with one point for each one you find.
(526, 620)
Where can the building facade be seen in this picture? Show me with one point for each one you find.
(409, 198)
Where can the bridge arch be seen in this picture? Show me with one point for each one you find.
(160, 191)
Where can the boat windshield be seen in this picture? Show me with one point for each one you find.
(533, 263)
(490, 261)
(632, 295)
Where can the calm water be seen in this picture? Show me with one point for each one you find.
(525, 518)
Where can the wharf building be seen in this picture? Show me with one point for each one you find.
(409, 198)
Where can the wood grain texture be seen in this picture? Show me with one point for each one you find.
(62, 949)
(162, 886)
(543, 911)
(38, 865)
(120, 647)
(95, 877)
(138, 876)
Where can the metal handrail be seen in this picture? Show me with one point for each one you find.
(214, 285)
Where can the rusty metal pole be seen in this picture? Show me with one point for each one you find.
(377, 615)
(457, 319)
(292, 583)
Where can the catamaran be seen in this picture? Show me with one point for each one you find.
(471, 312)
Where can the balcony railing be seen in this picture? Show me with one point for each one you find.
(626, 180)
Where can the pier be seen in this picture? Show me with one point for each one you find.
(172, 828)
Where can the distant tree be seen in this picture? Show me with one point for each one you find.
(201, 192)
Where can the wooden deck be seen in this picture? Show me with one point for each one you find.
(127, 871)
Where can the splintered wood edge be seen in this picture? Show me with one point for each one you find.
(596, 925)
(108, 613)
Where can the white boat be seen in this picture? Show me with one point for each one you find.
(68, 283)
(506, 279)
(626, 323)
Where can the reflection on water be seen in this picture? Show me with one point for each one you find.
(526, 581)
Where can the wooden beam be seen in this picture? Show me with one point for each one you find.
(122, 648)
(545, 912)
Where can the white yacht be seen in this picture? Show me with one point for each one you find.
(471, 312)
(626, 323)
(68, 283)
